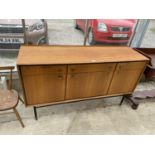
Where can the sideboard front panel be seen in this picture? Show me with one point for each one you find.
(88, 80)
(125, 77)
(44, 84)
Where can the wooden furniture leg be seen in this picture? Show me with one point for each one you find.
(35, 113)
(21, 99)
(18, 117)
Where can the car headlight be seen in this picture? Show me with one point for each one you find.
(37, 26)
(102, 27)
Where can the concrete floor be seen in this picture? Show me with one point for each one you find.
(102, 116)
(62, 32)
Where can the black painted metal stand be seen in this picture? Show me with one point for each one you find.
(129, 97)
(35, 113)
(134, 106)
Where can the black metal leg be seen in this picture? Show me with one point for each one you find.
(134, 103)
(35, 113)
(122, 100)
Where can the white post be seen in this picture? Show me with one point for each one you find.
(140, 31)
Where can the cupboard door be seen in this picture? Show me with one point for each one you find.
(45, 85)
(126, 77)
(88, 84)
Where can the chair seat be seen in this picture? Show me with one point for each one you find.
(8, 99)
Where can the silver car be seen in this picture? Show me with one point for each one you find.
(12, 33)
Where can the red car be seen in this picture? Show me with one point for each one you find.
(107, 30)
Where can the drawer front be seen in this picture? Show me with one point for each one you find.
(131, 66)
(44, 69)
(90, 67)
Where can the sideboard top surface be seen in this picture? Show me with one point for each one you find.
(33, 55)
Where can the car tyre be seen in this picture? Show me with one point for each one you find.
(76, 26)
(91, 40)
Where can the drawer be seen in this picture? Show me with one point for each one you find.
(43, 69)
(91, 67)
(131, 66)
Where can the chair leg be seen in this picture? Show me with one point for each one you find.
(122, 100)
(35, 113)
(21, 99)
(18, 117)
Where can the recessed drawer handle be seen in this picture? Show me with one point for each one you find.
(60, 76)
(59, 70)
(72, 75)
(72, 69)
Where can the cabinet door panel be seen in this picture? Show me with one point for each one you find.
(44, 88)
(83, 85)
(125, 77)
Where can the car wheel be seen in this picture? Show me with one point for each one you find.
(43, 41)
(76, 26)
(91, 37)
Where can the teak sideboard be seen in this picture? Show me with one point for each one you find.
(57, 74)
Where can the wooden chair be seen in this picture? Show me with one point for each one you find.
(9, 98)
